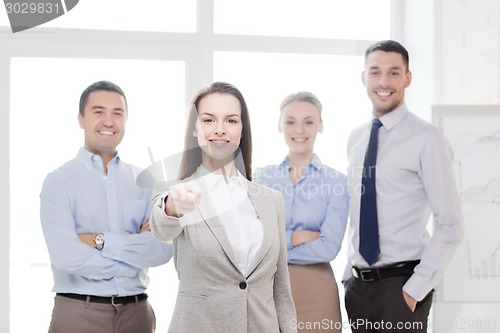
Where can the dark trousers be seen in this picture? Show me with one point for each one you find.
(75, 316)
(379, 306)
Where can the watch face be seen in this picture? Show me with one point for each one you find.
(99, 241)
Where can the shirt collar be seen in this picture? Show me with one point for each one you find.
(315, 162)
(211, 180)
(391, 119)
(89, 159)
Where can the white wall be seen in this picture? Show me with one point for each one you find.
(468, 73)
(468, 33)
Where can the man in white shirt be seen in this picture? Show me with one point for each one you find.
(390, 288)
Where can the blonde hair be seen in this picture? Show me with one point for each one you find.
(302, 96)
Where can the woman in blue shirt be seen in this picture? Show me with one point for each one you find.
(316, 201)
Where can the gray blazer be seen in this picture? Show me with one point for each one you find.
(214, 296)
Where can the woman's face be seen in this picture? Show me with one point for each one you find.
(219, 127)
(300, 123)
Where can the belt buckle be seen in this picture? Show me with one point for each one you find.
(113, 302)
(362, 273)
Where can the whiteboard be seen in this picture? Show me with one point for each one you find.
(474, 134)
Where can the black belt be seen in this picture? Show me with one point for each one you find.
(378, 273)
(113, 300)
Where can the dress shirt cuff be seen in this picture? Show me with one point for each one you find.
(163, 203)
(417, 287)
(183, 220)
(113, 245)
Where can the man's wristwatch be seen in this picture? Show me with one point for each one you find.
(99, 241)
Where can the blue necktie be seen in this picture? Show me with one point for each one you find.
(368, 221)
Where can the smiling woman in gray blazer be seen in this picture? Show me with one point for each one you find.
(228, 233)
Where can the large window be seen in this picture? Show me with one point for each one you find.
(126, 15)
(161, 54)
(355, 19)
(266, 78)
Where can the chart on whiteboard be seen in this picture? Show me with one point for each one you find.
(474, 273)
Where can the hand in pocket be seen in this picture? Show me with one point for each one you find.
(410, 301)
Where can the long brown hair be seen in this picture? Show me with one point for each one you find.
(191, 157)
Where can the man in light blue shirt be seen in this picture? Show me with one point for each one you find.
(95, 222)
